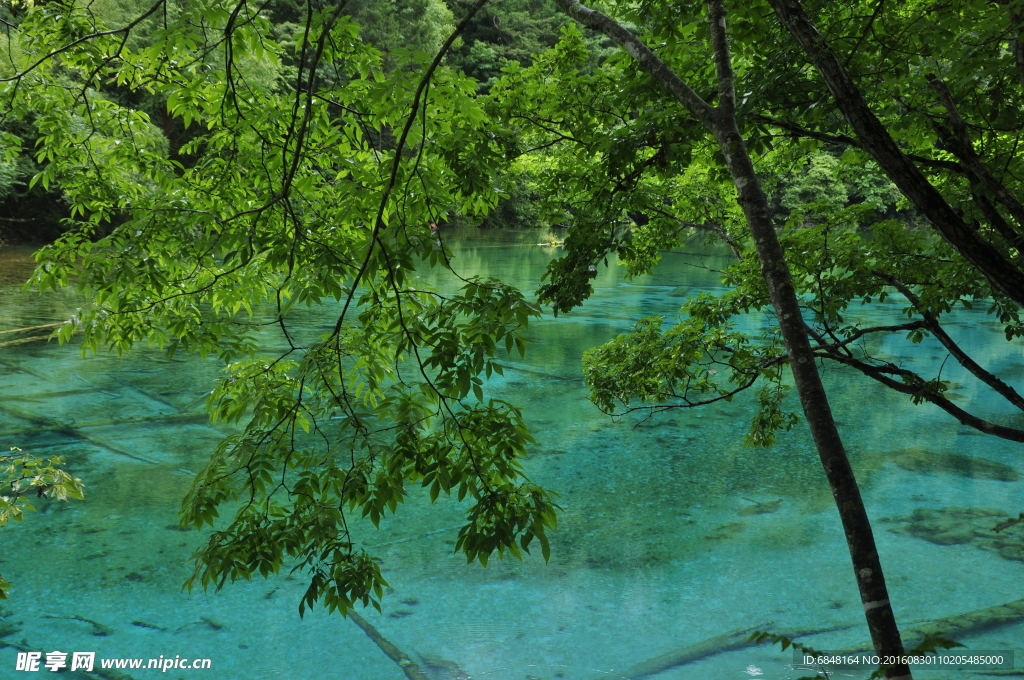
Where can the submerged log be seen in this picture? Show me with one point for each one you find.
(737, 639)
(22, 341)
(728, 642)
(976, 621)
(97, 627)
(32, 328)
(442, 665)
(161, 419)
(40, 422)
(408, 666)
(101, 673)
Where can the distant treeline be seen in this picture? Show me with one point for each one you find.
(504, 32)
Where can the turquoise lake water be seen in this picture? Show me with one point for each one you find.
(666, 538)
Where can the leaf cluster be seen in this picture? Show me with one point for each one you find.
(23, 475)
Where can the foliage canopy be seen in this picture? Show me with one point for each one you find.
(316, 191)
(616, 145)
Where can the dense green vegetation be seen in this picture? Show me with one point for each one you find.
(221, 163)
(500, 34)
(510, 31)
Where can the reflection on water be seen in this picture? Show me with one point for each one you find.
(672, 533)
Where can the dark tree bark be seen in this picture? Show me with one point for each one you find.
(876, 140)
(958, 141)
(721, 122)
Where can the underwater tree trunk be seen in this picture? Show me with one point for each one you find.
(721, 122)
(953, 627)
(408, 666)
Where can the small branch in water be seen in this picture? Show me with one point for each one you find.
(408, 666)
(33, 328)
(97, 627)
(1009, 523)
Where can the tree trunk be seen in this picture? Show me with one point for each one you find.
(721, 122)
(859, 538)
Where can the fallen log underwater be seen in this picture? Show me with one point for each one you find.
(42, 423)
(976, 621)
(33, 328)
(73, 427)
(727, 642)
(22, 341)
(33, 338)
(1002, 674)
(408, 666)
(77, 429)
(101, 673)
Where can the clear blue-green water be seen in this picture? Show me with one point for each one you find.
(657, 547)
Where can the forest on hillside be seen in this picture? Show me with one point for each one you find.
(498, 35)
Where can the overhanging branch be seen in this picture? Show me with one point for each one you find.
(932, 324)
(650, 63)
(882, 374)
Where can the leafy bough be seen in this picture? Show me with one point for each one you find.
(344, 431)
(700, 360)
(315, 194)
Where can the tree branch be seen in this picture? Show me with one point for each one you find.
(711, 226)
(84, 38)
(864, 33)
(881, 374)
(932, 324)
(861, 332)
(960, 144)
(798, 131)
(1012, 237)
(648, 61)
